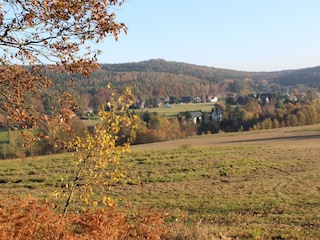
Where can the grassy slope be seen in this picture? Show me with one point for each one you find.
(179, 108)
(250, 185)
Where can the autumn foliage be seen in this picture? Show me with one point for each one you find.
(34, 31)
(26, 219)
(41, 36)
(38, 37)
(97, 154)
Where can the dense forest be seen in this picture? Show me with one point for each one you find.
(161, 79)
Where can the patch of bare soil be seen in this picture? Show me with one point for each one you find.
(297, 137)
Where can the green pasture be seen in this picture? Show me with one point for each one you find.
(247, 192)
(179, 108)
(90, 122)
(4, 136)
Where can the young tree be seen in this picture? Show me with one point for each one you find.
(97, 154)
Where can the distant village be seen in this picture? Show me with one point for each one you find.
(216, 112)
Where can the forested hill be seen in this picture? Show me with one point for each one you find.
(308, 76)
(210, 74)
(155, 78)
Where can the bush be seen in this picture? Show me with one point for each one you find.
(26, 219)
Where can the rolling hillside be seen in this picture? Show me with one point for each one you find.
(155, 78)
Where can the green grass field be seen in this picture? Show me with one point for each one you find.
(263, 188)
(179, 108)
(4, 136)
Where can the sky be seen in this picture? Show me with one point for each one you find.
(246, 35)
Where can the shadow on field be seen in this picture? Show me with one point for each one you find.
(302, 136)
(284, 138)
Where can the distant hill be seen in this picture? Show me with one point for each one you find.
(209, 74)
(309, 77)
(159, 77)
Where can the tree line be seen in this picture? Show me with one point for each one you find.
(249, 116)
(239, 113)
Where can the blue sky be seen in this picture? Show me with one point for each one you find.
(248, 35)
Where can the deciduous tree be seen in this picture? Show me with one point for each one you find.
(38, 32)
(97, 154)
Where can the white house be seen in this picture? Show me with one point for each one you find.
(213, 99)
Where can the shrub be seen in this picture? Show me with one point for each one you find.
(26, 219)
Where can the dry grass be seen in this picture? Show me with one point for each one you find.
(304, 136)
(252, 185)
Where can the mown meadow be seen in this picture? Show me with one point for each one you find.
(175, 109)
(243, 190)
